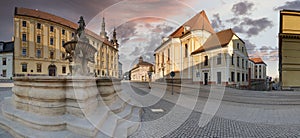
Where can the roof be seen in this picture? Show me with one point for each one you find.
(142, 63)
(216, 40)
(257, 61)
(8, 47)
(19, 11)
(198, 22)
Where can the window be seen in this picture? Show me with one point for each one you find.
(246, 64)
(73, 34)
(24, 67)
(186, 50)
(24, 24)
(63, 55)
(51, 29)
(63, 32)
(242, 49)
(38, 26)
(163, 58)
(242, 63)
(238, 45)
(38, 67)
(238, 61)
(38, 53)
(219, 58)
(62, 42)
(24, 52)
(232, 76)
(168, 54)
(243, 77)
(51, 41)
(238, 77)
(51, 54)
(64, 69)
(3, 73)
(38, 39)
(3, 61)
(246, 77)
(206, 61)
(24, 37)
(232, 59)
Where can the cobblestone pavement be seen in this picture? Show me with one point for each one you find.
(231, 120)
(255, 116)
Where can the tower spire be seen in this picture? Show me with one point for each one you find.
(103, 33)
(114, 39)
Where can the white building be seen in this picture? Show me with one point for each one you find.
(258, 68)
(6, 60)
(174, 54)
(222, 60)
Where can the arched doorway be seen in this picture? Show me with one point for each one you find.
(52, 70)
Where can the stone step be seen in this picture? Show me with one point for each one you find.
(89, 125)
(109, 126)
(127, 127)
(114, 119)
(118, 105)
(19, 130)
(33, 120)
(125, 114)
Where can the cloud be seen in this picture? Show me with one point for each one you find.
(233, 20)
(292, 5)
(136, 52)
(242, 8)
(216, 22)
(256, 26)
(126, 31)
(267, 53)
(252, 27)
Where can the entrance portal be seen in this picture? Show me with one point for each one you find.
(205, 78)
(52, 70)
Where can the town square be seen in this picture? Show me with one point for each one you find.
(139, 69)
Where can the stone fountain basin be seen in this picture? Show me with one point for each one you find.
(74, 44)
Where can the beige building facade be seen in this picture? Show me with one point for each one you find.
(289, 41)
(197, 54)
(258, 68)
(140, 71)
(222, 60)
(39, 38)
(174, 54)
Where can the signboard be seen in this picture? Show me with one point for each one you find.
(172, 74)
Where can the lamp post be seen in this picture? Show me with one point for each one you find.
(150, 70)
(172, 74)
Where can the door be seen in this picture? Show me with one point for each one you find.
(52, 70)
(219, 78)
(205, 78)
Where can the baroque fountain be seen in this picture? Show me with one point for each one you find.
(78, 105)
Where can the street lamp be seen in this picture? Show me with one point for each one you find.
(150, 70)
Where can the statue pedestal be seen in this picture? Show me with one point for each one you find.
(68, 106)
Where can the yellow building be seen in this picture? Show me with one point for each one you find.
(174, 54)
(289, 47)
(140, 71)
(39, 39)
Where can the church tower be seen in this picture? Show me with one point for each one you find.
(103, 34)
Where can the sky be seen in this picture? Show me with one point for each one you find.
(141, 24)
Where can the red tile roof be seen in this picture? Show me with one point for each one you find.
(220, 39)
(19, 11)
(198, 22)
(257, 60)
